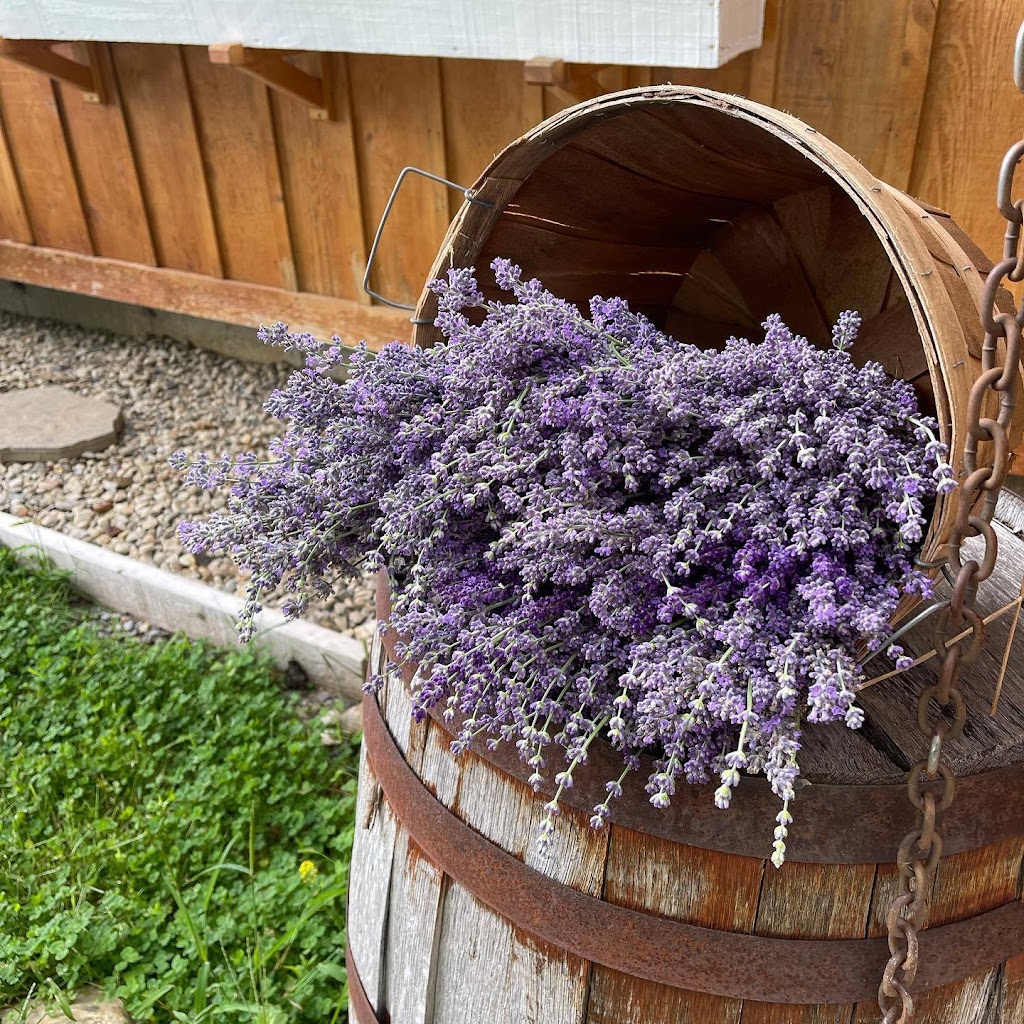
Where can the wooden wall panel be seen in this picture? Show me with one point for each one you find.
(101, 151)
(972, 114)
(398, 117)
(35, 135)
(14, 222)
(857, 72)
(158, 112)
(236, 136)
(321, 186)
(487, 105)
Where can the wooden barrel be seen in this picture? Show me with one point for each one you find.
(677, 915)
(707, 213)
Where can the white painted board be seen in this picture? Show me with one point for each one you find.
(669, 33)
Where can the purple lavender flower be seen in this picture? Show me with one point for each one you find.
(594, 530)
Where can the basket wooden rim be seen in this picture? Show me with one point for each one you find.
(925, 249)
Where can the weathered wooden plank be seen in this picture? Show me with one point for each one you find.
(158, 112)
(791, 905)
(177, 291)
(399, 120)
(966, 884)
(14, 222)
(685, 883)
(320, 177)
(733, 77)
(35, 135)
(236, 136)
(486, 969)
(971, 115)
(1011, 1002)
(764, 61)
(418, 888)
(827, 52)
(989, 741)
(487, 104)
(101, 150)
(373, 852)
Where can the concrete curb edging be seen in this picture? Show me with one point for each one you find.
(331, 660)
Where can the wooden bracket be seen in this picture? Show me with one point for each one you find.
(572, 83)
(272, 68)
(39, 55)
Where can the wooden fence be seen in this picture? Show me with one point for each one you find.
(197, 189)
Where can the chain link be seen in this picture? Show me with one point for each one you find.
(931, 784)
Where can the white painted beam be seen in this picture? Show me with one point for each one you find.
(660, 33)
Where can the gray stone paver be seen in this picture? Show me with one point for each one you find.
(49, 423)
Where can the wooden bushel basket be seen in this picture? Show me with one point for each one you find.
(706, 212)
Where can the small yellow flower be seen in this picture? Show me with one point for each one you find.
(307, 871)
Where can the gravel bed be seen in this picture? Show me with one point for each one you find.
(126, 498)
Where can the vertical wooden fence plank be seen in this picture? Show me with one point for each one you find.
(236, 136)
(856, 71)
(399, 121)
(35, 136)
(733, 77)
(487, 105)
(972, 114)
(102, 154)
(764, 61)
(14, 223)
(158, 113)
(321, 185)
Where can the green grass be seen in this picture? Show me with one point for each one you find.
(156, 802)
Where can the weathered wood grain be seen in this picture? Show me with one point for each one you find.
(487, 104)
(1011, 1001)
(236, 137)
(486, 968)
(966, 884)
(158, 112)
(14, 222)
(320, 177)
(104, 164)
(684, 883)
(35, 137)
(373, 850)
(811, 901)
(398, 118)
(988, 741)
(764, 61)
(827, 55)
(971, 114)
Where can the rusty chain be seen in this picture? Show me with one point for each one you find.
(931, 783)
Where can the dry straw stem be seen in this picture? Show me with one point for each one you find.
(1015, 605)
